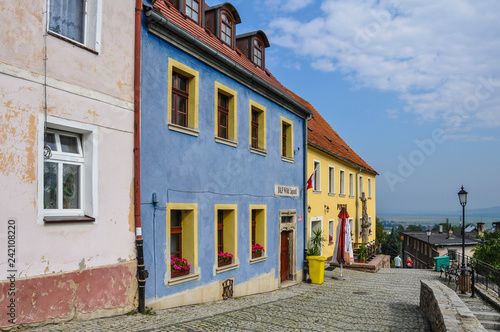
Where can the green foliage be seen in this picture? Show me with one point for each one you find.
(392, 246)
(362, 251)
(414, 228)
(380, 235)
(488, 250)
(316, 243)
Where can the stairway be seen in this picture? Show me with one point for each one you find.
(484, 312)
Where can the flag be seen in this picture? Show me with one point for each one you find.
(312, 179)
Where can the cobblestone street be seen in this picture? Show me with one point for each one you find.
(384, 301)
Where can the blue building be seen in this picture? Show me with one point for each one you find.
(223, 148)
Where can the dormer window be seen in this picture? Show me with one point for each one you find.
(193, 10)
(226, 28)
(257, 52)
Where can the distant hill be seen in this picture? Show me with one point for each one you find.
(487, 212)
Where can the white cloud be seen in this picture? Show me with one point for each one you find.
(441, 57)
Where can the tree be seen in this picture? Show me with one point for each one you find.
(380, 235)
(392, 245)
(414, 228)
(488, 250)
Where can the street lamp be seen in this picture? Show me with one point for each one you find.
(428, 247)
(462, 196)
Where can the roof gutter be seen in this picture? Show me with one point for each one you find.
(243, 75)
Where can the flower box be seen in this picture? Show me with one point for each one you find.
(178, 273)
(225, 263)
(256, 254)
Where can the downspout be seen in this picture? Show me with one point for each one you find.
(357, 205)
(142, 274)
(305, 219)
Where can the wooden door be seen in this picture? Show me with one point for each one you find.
(285, 256)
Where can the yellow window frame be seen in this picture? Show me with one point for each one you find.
(189, 231)
(262, 125)
(260, 226)
(233, 114)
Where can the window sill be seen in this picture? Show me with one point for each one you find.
(351, 196)
(331, 194)
(258, 259)
(67, 219)
(226, 141)
(183, 279)
(227, 268)
(342, 195)
(316, 191)
(184, 130)
(287, 159)
(258, 151)
(71, 41)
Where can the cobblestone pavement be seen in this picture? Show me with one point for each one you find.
(384, 301)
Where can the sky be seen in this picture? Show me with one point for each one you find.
(412, 86)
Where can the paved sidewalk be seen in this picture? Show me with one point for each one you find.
(384, 301)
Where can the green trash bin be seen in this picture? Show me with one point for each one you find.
(442, 261)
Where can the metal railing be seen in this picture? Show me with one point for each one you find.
(484, 273)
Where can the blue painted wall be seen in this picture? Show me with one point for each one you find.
(181, 168)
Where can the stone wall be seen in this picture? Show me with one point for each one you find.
(444, 310)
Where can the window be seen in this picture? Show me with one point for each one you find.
(342, 183)
(369, 188)
(193, 10)
(182, 232)
(257, 128)
(257, 52)
(258, 226)
(183, 98)
(360, 186)
(317, 176)
(69, 187)
(331, 180)
(226, 28)
(76, 20)
(286, 139)
(331, 231)
(180, 98)
(351, 185)
(225, 106)
(226, 235)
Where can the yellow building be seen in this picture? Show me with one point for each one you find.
(341, 176)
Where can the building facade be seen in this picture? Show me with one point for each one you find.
(340, 178)
(222, 159)
(66, 160)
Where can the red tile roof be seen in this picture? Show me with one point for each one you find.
(204, 35)
(322, 135)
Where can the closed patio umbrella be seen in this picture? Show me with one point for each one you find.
(343, 253)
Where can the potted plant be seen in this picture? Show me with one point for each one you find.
(179, 267)
(257, 250)
(224, 258)
(362, 253)
(330, 239)
(316, 261)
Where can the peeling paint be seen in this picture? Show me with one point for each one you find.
(121, 260)
(81, 265)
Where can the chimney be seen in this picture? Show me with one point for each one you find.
(496, 226)
(440, 229)
(450, 234)
(480, 228)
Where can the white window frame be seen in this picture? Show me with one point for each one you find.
(93, 25)
(369, 188)
(342, 183)
(331, 180)
(360, 185)
(89, 170)
(315, 223)
(317, 177)
(351, 185)
(331, 230)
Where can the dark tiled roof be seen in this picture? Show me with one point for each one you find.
(441, 239)
(322, 135)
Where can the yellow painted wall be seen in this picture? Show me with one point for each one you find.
(317, 200)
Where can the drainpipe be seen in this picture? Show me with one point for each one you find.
(142, 274)
(305, 220)
(357, 203)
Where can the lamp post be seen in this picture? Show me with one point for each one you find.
(462, 196)
(428, 247)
